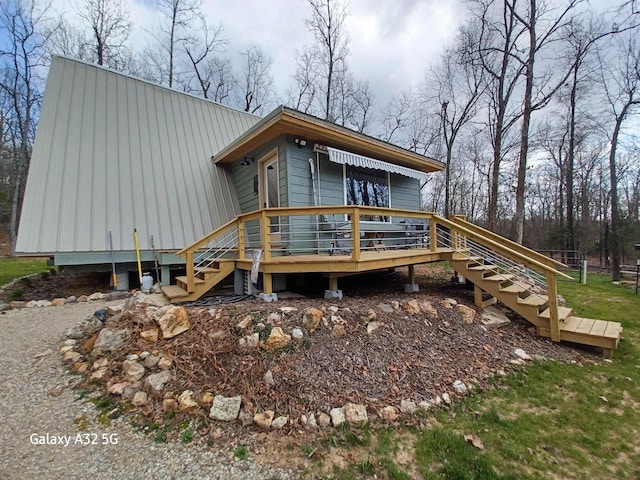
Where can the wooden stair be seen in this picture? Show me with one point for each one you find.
(522, 298)
(205, 279)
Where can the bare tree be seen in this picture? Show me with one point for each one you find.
(109, 26)
(179, 16)
(542, 28)
(331, 48)
(498, 46)
(256, 93)
(200, 50)
(22, 58)
(458, 84)
(620, 76)
(302, 95)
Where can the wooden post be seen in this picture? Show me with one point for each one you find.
(264, 236)
(241, 243)
(191, 274)
(355, 234)
(477, 296)
(433, 237)
(412, 274)
(267, 283)
(552, 293)
(333, 283)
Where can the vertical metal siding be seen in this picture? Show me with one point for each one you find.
(114, 153)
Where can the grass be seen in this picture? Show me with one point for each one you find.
(11, 268)
(548, 420)
(552, 419)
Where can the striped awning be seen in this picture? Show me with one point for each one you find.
(342, 157)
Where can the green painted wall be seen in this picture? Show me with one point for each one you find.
(304, 234)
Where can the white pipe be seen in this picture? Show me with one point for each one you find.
(584, 272)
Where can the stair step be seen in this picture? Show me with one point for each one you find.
(483, 268)
(563, 313)
(173, 291)
(514, 288)
(500, 277)
(205, 270)
(475, 260)
(183, 279)
(535, 300)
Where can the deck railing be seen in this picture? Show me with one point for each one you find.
(333, 230)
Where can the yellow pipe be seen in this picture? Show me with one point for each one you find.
(135, 237)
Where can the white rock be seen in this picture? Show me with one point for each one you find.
(521, 354)
(273, 318)
(268, 378)
(373, 326)
(337, 416)
(156, 382)
(165, 363)
(118, 388)
(333, 309)
(132, 356)
(96, 296)
(493, 317)
(140, 399)
(279, 422)
(408, 406)
(425, 405)
(446, 398)
(225, 409)
(297, 334)
(324, 420)
(72, 356)
(110, 340)
(311, 421)
(99, 373)
(172, 320)
(100, 363)
(388, 413)
(133, 370)
(355, 414)
(460, 387)
(287, 310)
(250, 341)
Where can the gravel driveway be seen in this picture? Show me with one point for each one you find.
(29, 415)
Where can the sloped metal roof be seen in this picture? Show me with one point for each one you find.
(114, 153)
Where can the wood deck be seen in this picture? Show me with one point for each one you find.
(341, 263)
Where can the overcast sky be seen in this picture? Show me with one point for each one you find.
(391, 41)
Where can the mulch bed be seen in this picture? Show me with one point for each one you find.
(409, 358)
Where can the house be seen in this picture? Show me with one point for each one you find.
(122, 167)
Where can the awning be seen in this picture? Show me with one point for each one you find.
(342, 157)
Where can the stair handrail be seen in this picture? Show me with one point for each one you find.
(207, 238)
(513, 245)
(550, 272)
(508, 252)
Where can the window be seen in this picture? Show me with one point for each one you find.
(367, 187)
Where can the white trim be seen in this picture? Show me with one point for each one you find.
(342, 157)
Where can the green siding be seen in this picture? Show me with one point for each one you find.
(405, 192)
(300, 234)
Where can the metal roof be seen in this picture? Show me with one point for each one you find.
(114, 153)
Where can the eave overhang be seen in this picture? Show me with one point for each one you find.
(285, 121)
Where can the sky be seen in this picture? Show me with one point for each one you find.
(391, 41)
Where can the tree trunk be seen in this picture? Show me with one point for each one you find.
(524, 133)
(614, 234)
